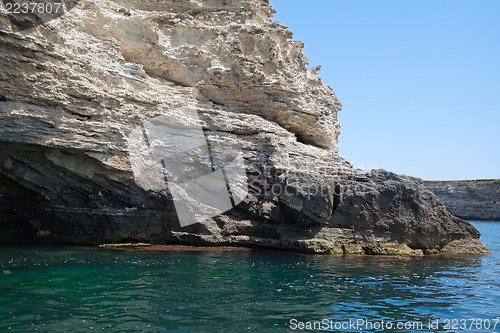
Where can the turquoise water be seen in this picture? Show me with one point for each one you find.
(81, 290)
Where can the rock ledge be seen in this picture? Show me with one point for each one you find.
(73, 89)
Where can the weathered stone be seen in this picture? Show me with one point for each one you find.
(469, 199)
(73, 89)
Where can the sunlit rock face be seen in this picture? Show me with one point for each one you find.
(74, 89)
(469, 199)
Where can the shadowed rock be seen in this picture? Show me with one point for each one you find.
(72, 91)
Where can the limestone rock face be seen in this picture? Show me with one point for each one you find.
(72, 91)
(469, 199)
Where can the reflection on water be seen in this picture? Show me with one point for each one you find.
(54, 289)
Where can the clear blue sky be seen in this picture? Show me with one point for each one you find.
(419, 80)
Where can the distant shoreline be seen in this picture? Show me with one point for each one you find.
(469, 199)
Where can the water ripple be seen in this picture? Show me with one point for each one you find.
(81, 290)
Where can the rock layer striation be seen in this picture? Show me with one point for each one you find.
(469, 199)
(73, 89)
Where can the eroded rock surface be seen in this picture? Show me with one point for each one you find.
(469, 199)
(73, 89)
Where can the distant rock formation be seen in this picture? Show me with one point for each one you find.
(469, 199)
(74, 88)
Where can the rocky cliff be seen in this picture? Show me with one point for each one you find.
(469, 199)
(75, 88)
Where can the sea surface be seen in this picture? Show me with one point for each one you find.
(69, 289)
